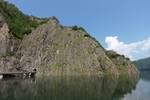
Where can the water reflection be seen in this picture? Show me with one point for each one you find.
(142, 91)
(64, 88)
(145, 75)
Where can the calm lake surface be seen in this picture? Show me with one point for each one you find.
(75, 88)
(142, 91)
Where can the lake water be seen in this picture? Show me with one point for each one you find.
(142, 91)
(75, 88)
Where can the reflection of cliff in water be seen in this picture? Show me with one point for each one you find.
(64, 88)
(145, 75)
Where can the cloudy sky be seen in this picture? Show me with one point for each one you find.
(134, 50)
(120, 25)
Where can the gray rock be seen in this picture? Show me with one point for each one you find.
(4, 37)
(53, 50)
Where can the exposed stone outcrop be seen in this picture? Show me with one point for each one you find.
(4, 37)
(52, 49)
(125, 67)
(8, 64)
(8, 47)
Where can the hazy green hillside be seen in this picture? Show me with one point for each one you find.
(143, 64)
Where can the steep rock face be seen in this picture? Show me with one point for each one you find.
(5, 62)
(4, 37)
(126, 69)
(8, 64)
(54, 49)
(7, 45)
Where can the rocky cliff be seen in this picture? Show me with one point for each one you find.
(4, 37)
(55, 49)
(126, 69)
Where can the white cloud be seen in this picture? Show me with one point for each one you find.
(134, 51)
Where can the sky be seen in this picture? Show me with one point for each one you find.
(119, 25)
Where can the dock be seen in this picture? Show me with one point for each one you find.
(17, 74)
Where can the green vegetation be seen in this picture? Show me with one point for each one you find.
(121, 67)
(111, 54)
(76, 28)
(19, 23)
(61, 26)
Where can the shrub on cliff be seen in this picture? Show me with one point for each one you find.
(111, 54)
(76, 28)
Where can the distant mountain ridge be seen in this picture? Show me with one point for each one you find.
(143, 64)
